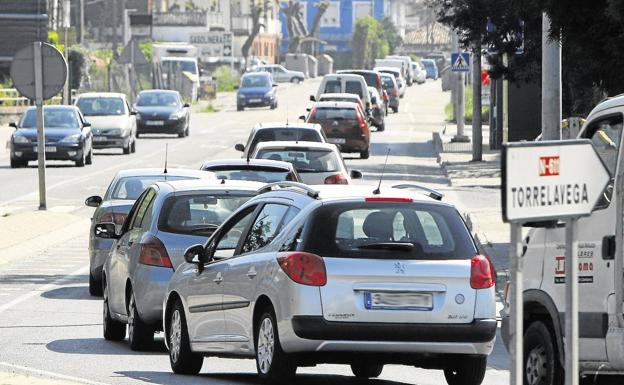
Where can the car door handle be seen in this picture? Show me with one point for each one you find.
(252, 274)
(218, 279)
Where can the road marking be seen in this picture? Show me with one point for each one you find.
(50, 374)
(47, 287)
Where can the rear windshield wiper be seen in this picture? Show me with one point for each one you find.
(204, 228)
(304, 170)
(403, 246)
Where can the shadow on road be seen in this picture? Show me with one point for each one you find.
(69, 292)
(101, 346)
(418, 150)
(165, 378)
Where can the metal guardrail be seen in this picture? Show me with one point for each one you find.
(12, 103)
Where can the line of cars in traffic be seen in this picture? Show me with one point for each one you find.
(268, 257)
(98, 121)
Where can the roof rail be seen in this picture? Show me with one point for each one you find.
(428, 192)
(294, 185)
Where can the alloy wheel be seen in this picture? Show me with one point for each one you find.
(175, 335)
(266, 345)
(536, 365)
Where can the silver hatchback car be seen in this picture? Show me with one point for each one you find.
(166, 219)
(342, 274)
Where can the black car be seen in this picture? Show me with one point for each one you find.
(67, 136)
(162, 112)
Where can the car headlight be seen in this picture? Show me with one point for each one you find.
(269, 94)
(75, 138)
(241, 96)
(177, 115)
(20, 139)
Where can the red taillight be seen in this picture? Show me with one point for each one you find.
(116, 218)
(362, 121)
(389, 199)
(482, 275)
(385, 96)
(312, 115)
(336, 179)
(304, 268)
(154, 253)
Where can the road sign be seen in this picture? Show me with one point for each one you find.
(212, 43)
(551, 180)
(132, 54)
(54, 72)
(460, 62)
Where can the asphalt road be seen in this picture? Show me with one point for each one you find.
(50, 324)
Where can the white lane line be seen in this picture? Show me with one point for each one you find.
(47, 287)
(45, 373)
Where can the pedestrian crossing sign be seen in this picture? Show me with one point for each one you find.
(460, 62)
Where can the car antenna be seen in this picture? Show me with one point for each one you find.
(287, 114)
(166, 158)
(377, 191)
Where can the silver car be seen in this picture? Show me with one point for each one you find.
(343, 274)
(167, 219)
(120, 195)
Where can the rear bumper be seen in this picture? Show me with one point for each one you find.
(317, 328)
(352, 145)
(149, 284)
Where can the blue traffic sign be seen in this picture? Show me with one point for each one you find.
(460, 62)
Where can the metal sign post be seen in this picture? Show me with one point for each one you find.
(549, 181)
(40, 125)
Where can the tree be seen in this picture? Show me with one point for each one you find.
(298, 32)
(370, 41)
(257, 9)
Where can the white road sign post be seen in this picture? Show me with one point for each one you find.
(549, 181)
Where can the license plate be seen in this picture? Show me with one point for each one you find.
(50, 149)
(337, 140)
(155, 123)
(100, 139)
(398, 301)
(255, 100)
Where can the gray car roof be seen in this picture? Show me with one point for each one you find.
(244, 162)
(170, 171)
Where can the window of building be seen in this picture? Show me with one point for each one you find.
(331, 17)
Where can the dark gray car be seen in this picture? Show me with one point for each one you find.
(121, 194)
(167, 218)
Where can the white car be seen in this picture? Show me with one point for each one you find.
(316, 163)
(398, 77)
(302, 275)
(281, 74)
(113, 122)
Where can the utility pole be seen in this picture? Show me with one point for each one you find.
(115, 28)
(551, 84)
(477, 134)
(82, 22)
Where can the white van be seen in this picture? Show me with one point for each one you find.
(395, 63)
(409, 69)
(177, 57)
(344, 84)
(601, 321)
(398, 77)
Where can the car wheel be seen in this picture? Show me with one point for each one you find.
(113, 330)
(239, 107)
(181, 358)
(188, 131)
(273, 105)
(133, 147)
(16, 163)
(274, 366)
(140, 335)
(540, 364)
(81, 162)
(366, 370)
(127, 149)
(382, 126)
(138, 135)
(181, 134)
(365, 154)
(468, 371)
(89, 158)
(95, 286)
(395, 109)
(296, 80)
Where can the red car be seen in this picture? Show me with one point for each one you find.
(344, 124)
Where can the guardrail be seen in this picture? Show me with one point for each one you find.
(12, 103)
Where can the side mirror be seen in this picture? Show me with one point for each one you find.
(106, 231)
(308, 109)
(195, 254)
(239, 147)
(312, 98)
(133, 112)
(186, 105)
(13, 124)
(274, 85)
(302, 117)
(356, 174)
(86, 124)
(93, 201)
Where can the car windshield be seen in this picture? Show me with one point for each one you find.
(255, 81)
(335, 113)
(131, 187)
(158, 99)
(52, 118)
(256, 174)
(390, 230)
(101, 106)
(284, 135)
(180, 65)
(304, 160)
(198, 214)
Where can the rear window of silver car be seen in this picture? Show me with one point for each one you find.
(389, 230)
(304, 160)
(257, 174)
(132, 187)
(198, 214)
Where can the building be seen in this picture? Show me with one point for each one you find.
(22, 23)
(338, 22)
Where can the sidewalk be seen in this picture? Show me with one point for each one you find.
(479, 183)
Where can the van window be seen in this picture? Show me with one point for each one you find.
(353, 87)
(333, 87)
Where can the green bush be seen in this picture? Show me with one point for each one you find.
(450, 115)
(226, 79)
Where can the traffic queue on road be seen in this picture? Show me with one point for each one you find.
(277, 256)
